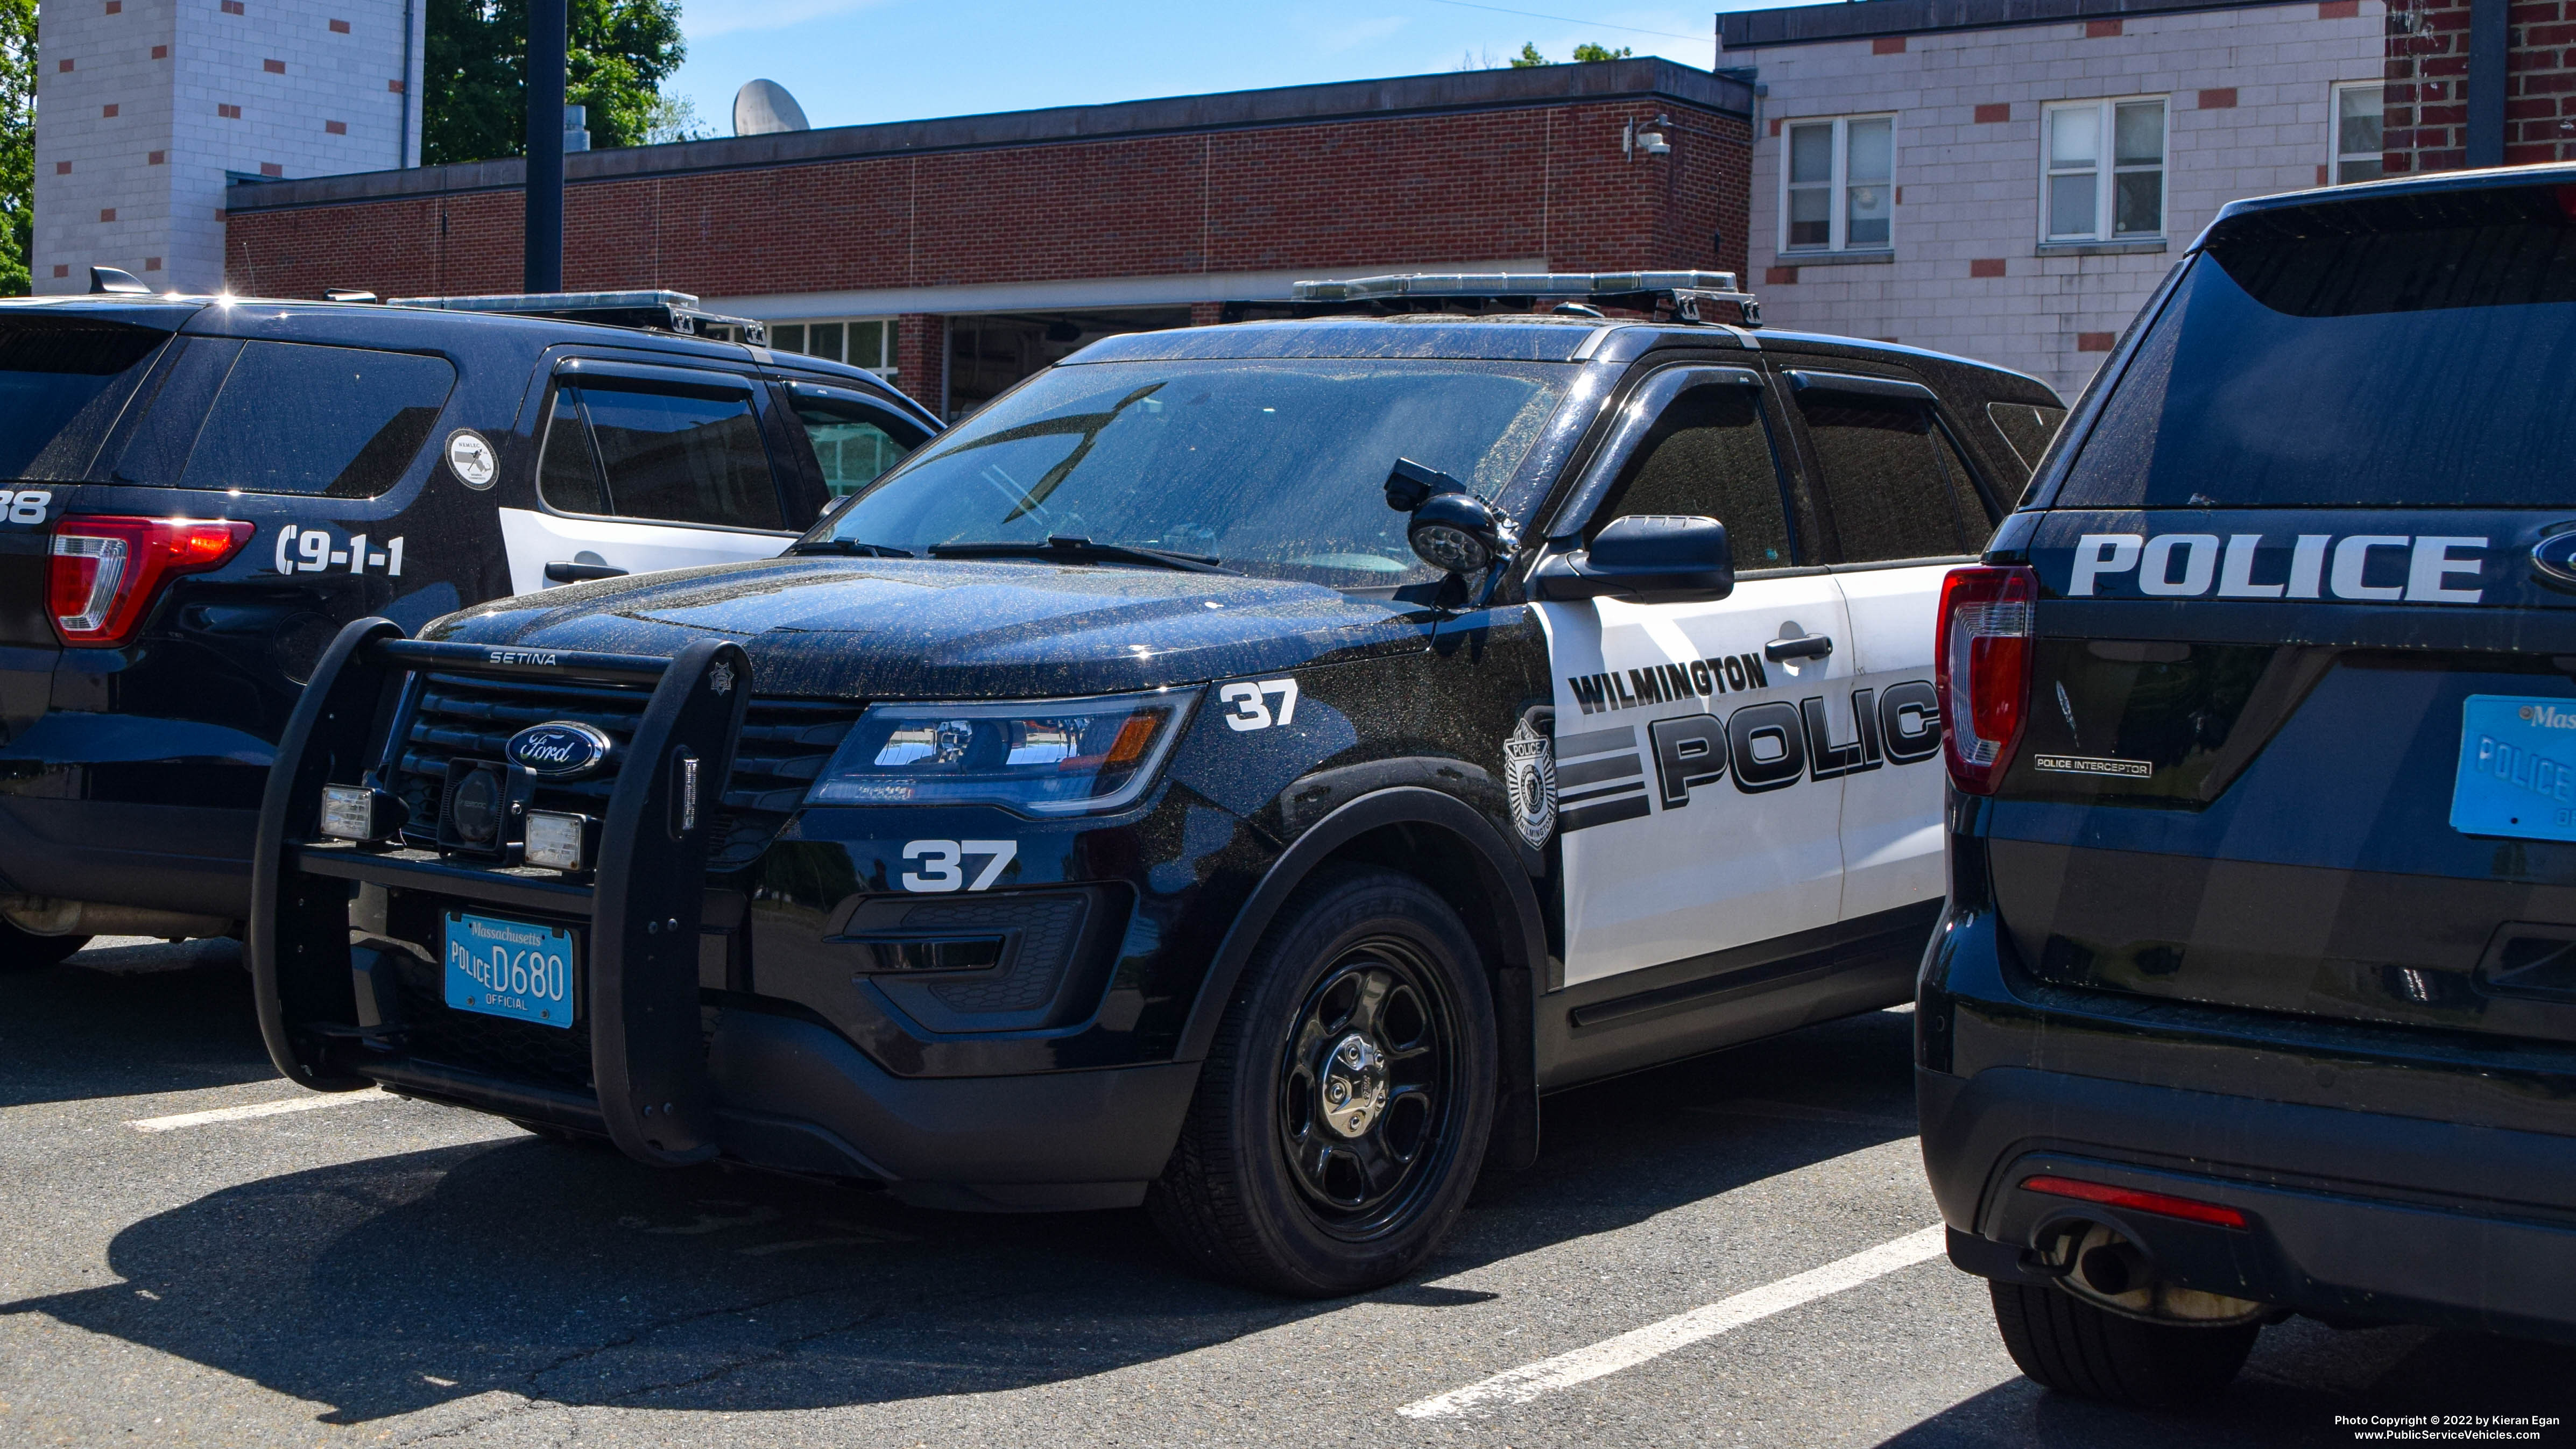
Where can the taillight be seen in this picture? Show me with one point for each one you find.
(1984, 670)
(106, 571)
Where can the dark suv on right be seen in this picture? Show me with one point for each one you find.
(2256, 992)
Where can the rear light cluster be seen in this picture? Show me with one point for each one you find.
(107, 571)
(1984, 670)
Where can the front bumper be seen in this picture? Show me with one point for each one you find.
(667, 1063)
(2357, 1209)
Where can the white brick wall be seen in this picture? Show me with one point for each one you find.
(1969, 191)
(168, 228)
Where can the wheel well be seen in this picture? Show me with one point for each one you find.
(1454, 869)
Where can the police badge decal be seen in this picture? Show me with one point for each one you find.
(1529, 773)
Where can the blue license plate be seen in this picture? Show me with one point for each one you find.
(510, 968)
(2517, 767)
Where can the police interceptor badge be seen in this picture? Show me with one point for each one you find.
(1529, 774)
(2093, 765)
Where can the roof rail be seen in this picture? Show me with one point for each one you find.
(655, 311)
(1682, 293)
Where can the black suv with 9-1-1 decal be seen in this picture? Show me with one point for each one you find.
(1239, 770)
(2257, 990)
(197, 493)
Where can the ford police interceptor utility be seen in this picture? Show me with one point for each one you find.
(1239, 769)
(196, 493)
(2257, 990)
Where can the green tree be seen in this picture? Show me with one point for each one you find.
(476, 92)
(17, 143)
(1529, 55)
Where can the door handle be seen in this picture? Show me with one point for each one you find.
(564, 572)
(1812, 646)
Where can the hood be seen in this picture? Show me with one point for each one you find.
(940, 629)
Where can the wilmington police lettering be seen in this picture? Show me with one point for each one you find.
(1766, 746)
(1665, 683)
(2383, 568)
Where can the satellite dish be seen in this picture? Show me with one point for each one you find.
(764, 108)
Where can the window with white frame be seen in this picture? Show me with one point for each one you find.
(2356, 131)
(2104, 170)
(859, 341)
(1836, 181)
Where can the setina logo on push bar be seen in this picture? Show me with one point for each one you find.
(2384, 568)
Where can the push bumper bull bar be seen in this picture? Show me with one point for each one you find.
(641, 907)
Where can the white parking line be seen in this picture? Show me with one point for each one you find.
(1520, 1385)
(305, 1103)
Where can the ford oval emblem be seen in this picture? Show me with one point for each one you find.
(559, 749)
(2554, 559)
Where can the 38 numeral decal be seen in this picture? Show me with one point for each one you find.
(1251, 703)
(27, 507)
(936, 863)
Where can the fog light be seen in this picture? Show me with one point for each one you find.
(349, 812)
(554, 840)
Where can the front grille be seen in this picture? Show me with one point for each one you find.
(512, 1050)
(785, 743)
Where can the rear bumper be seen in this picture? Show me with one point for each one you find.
(185, 858)
(793, 1096)
(2385, 1174)
(2350, 1214)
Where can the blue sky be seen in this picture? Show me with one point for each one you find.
(850, 62)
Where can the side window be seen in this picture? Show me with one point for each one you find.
(1895, 486)
(2027, 426)
(1709, 455)
(340, 422)
(567, 474)
(853, 444)
(674, 457)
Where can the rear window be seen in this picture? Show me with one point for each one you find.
(284, 417)
(62, 383)
(2373, 353)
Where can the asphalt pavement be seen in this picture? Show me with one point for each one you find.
(1729, 1251)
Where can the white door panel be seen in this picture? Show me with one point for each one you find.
(1690, 817)
(536, 539)
(1892, 833)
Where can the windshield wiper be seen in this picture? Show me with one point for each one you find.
(849, 548)
(1085, 550)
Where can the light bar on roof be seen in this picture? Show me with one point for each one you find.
(1685, 290)
(662, 311)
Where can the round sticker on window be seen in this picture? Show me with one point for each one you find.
(471, 459)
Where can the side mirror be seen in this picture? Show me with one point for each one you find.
(1649, 558)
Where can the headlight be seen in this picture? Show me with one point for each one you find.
(1042, 757)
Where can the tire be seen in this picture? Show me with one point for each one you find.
(25, 951)
(2071, 1346)
(1343, 1110)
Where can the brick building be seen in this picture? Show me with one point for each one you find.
(959, 255)
(145, 108)
(1968, 176)
(2480, 83)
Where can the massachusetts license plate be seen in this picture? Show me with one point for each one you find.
(2517, 768)
(510, 968)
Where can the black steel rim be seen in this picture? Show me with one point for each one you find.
(1368, 1090)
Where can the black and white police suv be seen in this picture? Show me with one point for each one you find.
(2257, 991)
(1121, 801)
(196, 493)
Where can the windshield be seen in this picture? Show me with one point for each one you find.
(1271, 468)
(62, 382)
(2382, 358)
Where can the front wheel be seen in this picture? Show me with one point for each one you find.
(2075, 1348)
(26, 951)
(1344, 1107)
